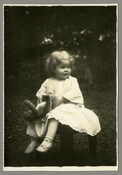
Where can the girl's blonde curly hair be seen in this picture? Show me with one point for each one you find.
(56, 58)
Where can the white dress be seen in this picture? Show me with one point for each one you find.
(73, 114)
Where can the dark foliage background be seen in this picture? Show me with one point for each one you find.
(31, 33)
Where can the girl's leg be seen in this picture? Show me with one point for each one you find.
(52, 128)
(51, 132)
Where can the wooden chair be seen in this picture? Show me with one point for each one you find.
(66, 134)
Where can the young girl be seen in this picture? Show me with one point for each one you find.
(67, 104)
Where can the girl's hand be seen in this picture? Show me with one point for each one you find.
(45, 97)
(59, 101)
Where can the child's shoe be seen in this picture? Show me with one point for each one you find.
(32, 146)
(46, 145)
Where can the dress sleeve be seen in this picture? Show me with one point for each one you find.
(42, 90)
(74, 93)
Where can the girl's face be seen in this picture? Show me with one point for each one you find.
(63, 70)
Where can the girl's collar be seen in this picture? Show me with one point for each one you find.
(61, 79)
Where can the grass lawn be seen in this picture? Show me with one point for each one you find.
(101, 100)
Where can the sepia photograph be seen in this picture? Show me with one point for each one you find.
(60, 86)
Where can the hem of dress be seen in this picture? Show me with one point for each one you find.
(74, 128)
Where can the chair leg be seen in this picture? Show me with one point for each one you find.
(66, 134)
(92, 145)
(93, 149)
